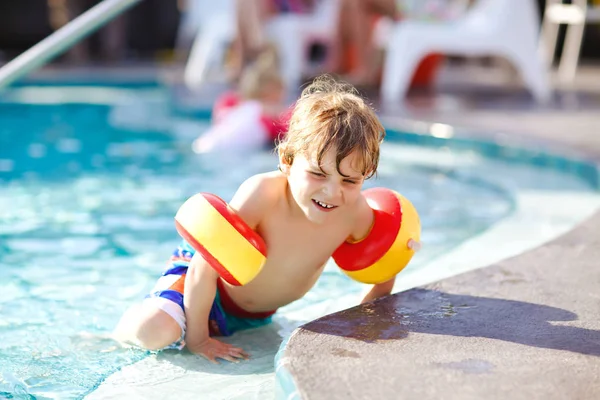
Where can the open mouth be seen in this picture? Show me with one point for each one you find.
(323, 206)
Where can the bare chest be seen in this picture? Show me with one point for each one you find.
(294, 263)
(296, 254)
(298, 246)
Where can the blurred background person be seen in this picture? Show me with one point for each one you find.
(251, 16)
(110, 41)
(357, 18)
(354, 28)
(252, 117)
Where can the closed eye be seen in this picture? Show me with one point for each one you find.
(318, 174)
(350, 181)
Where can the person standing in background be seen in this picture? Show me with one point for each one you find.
(111, 37)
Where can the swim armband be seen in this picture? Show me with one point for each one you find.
(391, 242)
(223, 239)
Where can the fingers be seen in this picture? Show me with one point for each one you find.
(230, 359)
(239, 353)
(234, 358)
(228, 353)
(210, 357)
(235, 355)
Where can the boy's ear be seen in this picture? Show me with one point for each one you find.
(283, 166)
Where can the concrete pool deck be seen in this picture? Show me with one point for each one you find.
(524, 328)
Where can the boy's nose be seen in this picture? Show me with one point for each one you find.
(332, 190)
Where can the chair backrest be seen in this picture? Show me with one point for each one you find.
(327, 13)
(201, 11)
(515, 17)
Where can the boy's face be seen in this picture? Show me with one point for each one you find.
(322, 193)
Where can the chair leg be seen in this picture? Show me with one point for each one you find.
(570, 57)
(534, 73)
(197, 64)
(547, 45)
(398, 69)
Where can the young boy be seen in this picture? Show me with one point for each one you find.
(303, 211)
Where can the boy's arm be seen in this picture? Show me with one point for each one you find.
(362, 227)
(199, 294)
(250, 202)
(379, 290)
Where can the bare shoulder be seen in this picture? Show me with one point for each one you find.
(258, 194)
(363, 220)
(261, 187)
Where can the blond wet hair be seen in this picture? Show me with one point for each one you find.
(332, 115)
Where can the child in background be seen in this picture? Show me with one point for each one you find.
(304, 211)
(253, 118)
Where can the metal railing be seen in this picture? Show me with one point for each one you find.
(63, 39)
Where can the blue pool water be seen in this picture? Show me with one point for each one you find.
(88, 191)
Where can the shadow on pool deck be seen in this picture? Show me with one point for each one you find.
(438, 313)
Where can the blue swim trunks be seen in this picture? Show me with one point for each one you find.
(225, 317)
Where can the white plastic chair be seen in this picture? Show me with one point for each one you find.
(189, 23)
(575, 15)
(215, 26)
(291, 33)
(506, 28)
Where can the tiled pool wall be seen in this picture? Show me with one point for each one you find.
(285, 387)
(578, 165)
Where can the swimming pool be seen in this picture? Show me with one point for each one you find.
(90, 179)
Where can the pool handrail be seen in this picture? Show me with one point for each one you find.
(63, 39)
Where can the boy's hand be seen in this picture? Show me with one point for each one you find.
(211, 349)
(379, 290)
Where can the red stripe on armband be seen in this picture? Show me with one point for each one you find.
(387, 220)
(239, 224)
(213, 262)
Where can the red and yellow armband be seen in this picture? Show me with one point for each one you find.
(225, 241)
(390, 244)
